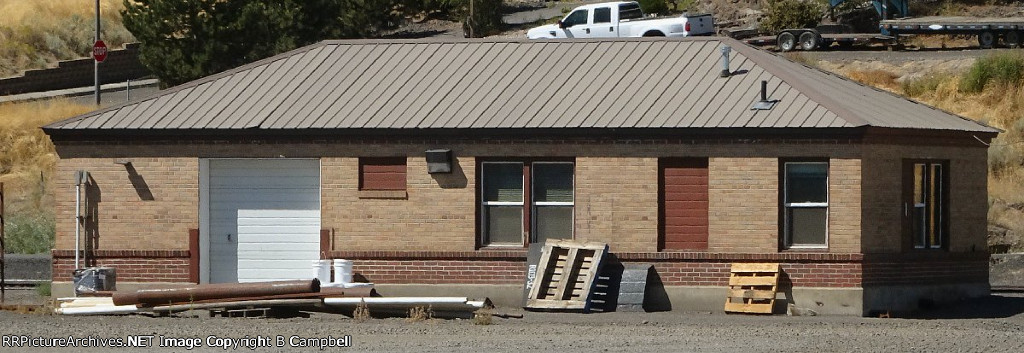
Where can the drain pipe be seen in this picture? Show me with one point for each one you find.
(79, 179)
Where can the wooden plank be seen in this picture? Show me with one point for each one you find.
(556, 304)
(752, 294)
(565, 243)
(754, 267)
(542, 272)
(755, 308)
(752, 281)
(572, 266)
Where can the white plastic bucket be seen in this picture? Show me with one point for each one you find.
(342, 271)
(322, 270)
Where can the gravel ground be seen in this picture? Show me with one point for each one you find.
(994, 324)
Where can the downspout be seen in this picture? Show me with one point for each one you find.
(79, 178)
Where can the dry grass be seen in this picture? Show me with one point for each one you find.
(483, 317)
(420, 313)
(878, 78)
(362, 312)
(37, 33)
(27, 161)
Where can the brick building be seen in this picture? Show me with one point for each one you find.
(868, 200)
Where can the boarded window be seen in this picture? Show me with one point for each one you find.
(683, 203)
(382, 173)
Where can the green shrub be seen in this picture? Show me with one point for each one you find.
(29, 232)
(1006, 67)
(44, 289)
(782, 14)
(919, 86)
(654, 6)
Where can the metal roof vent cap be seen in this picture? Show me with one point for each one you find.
(725, 61)
(764, 103)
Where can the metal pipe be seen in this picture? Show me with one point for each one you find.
(725, 61)
(96, 64)
(402, 303)
(98, 310)
(79, 175)
(152, 297)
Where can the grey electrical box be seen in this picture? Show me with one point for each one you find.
(439, 161)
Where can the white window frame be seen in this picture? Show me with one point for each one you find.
(534, 204)
(787, 242)
(484, 235)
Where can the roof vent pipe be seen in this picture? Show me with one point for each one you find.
(725, 61)
(764, 103)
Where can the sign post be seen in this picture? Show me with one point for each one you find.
(99, 44)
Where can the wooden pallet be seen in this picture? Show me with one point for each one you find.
(566, 276)
(752, 288)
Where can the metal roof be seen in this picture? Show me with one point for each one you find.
(487, 84)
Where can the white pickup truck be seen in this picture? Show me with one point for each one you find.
(622, 19)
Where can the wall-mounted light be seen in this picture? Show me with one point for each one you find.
(123, 162)
(439, 161)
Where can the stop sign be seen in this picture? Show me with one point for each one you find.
(99, 51)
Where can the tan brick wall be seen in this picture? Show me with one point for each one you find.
(844, 206)
(883, 207)
(616, 193)
(617, 202)
(150, 206)
(438, 214)
(743, 212)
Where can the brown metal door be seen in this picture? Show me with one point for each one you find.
(683, 204)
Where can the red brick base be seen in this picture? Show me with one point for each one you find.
(508, 267)
(131, 266)
(925, 269)
(674, 269)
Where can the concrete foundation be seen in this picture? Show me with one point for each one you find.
(823, 301)
(908, 298)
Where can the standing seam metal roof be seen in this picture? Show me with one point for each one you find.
(482, 84)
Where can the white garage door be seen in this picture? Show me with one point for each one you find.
(264, 219)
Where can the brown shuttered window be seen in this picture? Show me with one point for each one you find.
(382, 173)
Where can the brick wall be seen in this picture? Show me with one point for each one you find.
(617, 202)
(883, 207)
(153, 206)
(743, 204)
(677, 269)
(131, 266)
(925, 269)
(149, 205)
(437, 213)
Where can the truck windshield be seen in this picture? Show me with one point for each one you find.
(630, 11)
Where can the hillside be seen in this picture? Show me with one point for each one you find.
(35, 34)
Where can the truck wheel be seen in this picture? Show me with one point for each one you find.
(653, 34)
(986, 40)
(1012, 39)
(809, 41)
(786, 41)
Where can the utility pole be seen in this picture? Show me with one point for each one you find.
(96, 72)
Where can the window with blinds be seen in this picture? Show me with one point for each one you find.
(525, 201)
(805, 203)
